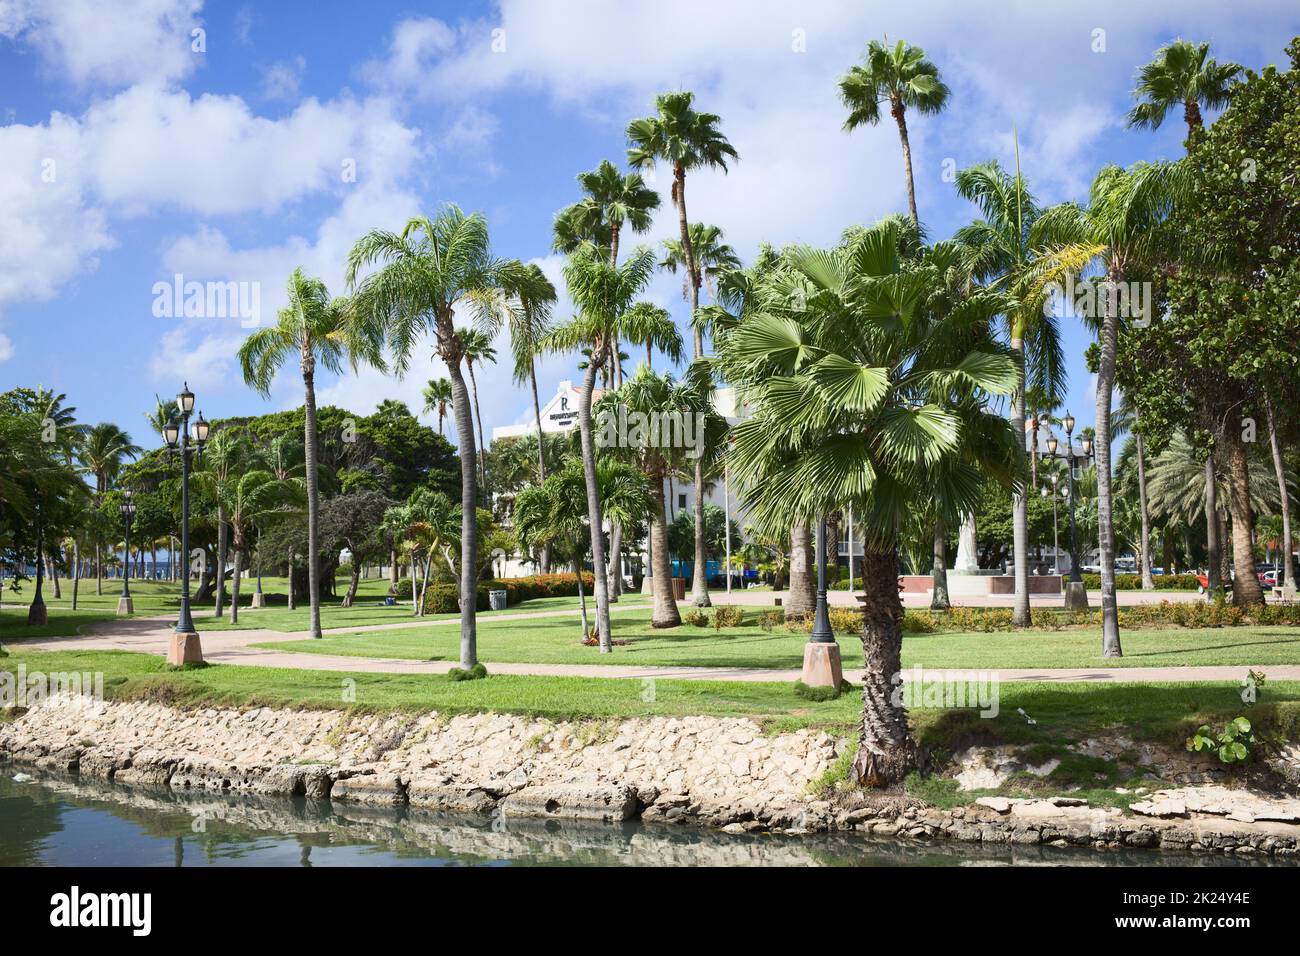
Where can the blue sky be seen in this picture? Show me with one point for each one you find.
(128, 156)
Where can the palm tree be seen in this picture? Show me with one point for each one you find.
(1127, 419)
(226, 457)
(713, 257)
(425, 273)
(686, 139)
(103, 450)
(553, 512)
(1017, 250)
(319, 330)
(900, 76)
(427, 523)
(1120, 228)
(603, 293)
(477, 347)
(1183, 73)
(437, 397)
(864, 397)
(612, 199)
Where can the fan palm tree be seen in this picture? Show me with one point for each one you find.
(612, 200)
(1017, 250)
(553, 513)
(103, 451)
(603, 294)
(902, 77)
(425, 273)
(477, 347)
(864, 397)
(1181, 73)
(319, 330)
(437, 397)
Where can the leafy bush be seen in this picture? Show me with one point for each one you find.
(727, 615)
(445, 598)
(1133, 582)
(697, 617)
(477, 672)
(1232, 744)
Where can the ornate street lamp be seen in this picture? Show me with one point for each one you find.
(821, 655)
(1076, 596)
(127, 510)
(185, 647)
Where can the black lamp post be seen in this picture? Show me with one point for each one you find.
(821, 632)
(185, 642)
(127, 509)
(1076, 596)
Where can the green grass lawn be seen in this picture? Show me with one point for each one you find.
(556, 640)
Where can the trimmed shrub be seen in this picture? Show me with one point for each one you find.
(728, 615)
(445, 598)
(477, 672)
(696, 617)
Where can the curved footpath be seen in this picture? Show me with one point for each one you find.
(150, 635)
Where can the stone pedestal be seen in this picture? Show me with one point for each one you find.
(1076, 596)
(259, 599)
(184, 648)
(647, 585)
(1287, 594)
(821, 665)
(125, 606)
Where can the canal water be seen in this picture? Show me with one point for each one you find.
(51, 820)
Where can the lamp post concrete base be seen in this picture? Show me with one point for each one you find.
(1076, 596)
(125, 606)
(259, 599)
(821, 665)
(184, 648)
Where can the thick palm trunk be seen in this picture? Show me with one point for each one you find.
(219, 598)
(545, 557)
(234, 583)
(1020, 614)
(1286, 575)
(313, 494)
(615, 568)
(939, 600)
(482, 443)
(886, 751)
(700, 577)
(901, 119)
(460, 410)
(593, 504)
(1148, 583)
(1245, 586)
(801, 597)
(665, 612)
(1213, 571)
(1110, 643)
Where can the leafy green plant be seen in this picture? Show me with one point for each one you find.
(695, 616)
(477, 672)
(1232, 744)
(727, 615)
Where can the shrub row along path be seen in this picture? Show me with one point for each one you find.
(151, 635)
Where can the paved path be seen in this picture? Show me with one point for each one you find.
(150, 635)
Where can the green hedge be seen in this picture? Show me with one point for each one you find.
(1133, 582)
(445, 598)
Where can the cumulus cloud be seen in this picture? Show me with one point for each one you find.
(280, 81)
(6, 348)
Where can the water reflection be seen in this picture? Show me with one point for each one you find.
(60, 821)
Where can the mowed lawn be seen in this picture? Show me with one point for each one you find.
(1062, 711)
(557, 640)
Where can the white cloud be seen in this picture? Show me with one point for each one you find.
(414, 42)
(280, 81)
(6, 348)
(111, 44)
(207, 362)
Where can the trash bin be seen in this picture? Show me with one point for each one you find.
(497, 600)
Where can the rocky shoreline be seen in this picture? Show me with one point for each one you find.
(714, 772)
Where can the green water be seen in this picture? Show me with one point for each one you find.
(59, 821)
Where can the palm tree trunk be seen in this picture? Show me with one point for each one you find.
(700, 578)
(1245, 586)
(593, 502)
(478, 417)
(665, 612)
(886, 751)
(460, 409)
(1148, 583)
(545, 557)
(293, 605)
(313, 499)
(582, 595)
(615, 568)
(1213, 570)
(1110, 643)
(352, 584)
(939, 595)
(219, 598)
(688, 252)
(392, 570)
(801, 596)
(900, 118)
(234, 583)
(1286, 575)
(1020, 614)
(99, 566)
(76, 570)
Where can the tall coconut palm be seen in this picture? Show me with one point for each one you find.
(603, 293)
(319, 330)
(1017, 250)
(437, 398)
(902, 77)
(685, 139)
(477, 347)
(425, 273)
(103, 451)
(612, 200)
(864, 397)
(1184, 74)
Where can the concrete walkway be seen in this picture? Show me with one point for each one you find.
(150, 635)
